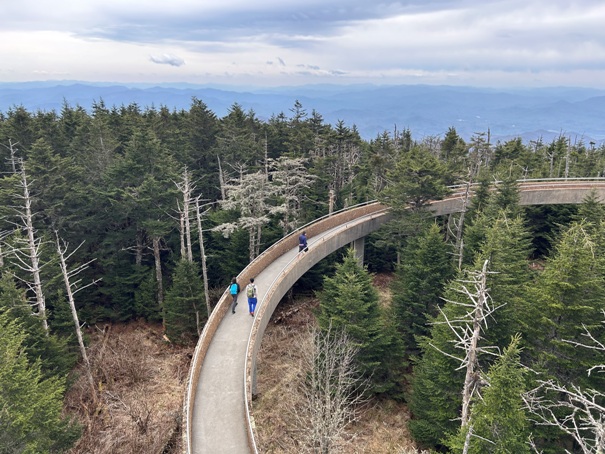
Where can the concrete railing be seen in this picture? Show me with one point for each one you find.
(531, 192)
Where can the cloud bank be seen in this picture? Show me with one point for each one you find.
(270, 42)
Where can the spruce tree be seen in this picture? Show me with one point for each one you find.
(568, 297)
(30, 403)
(184, 308)
(498, 422)
(426, 266)
(434, 397)
(349, 302)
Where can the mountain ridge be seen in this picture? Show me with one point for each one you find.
(426, 110)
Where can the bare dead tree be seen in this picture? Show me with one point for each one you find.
(186, 188)
(158, 269)
(12, 148)
(332, 390)
(290, 178)
(221, 178)
(577, 412)
(182, 229)
(203, 255)
(27, 250)
(459, 225)
(250, 194)
(72, 287)
(467, 330)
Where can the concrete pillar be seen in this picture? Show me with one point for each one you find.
(358, 247)
(253, 384)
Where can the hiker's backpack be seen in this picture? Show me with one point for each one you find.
(233, 289)
(250, 291)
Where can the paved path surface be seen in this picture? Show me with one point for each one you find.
(219, 404)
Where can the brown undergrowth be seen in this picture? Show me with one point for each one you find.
(139, 387)
(382, 425)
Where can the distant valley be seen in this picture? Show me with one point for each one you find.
(546, 113)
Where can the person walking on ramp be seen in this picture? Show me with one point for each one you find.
(234, 290)
(302, 242)
(252, 294)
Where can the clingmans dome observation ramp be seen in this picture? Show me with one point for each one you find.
(222, 376)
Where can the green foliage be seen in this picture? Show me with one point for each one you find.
(30, 403)
(435, 393)
(145, 299)
(567, 296)
(417, 177)
(184, 307)
(498, 419)
(545, 222)
(426, 266)
(56, 357)
(350, 302)
(507, 246)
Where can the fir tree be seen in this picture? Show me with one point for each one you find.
(418, 286)
(568, 297)
(30, 404)
(498, 422)
(349, 302)
(184, 308)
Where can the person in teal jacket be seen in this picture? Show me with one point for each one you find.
(234, 291)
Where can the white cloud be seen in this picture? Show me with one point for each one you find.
(167, 59)
(440, 41)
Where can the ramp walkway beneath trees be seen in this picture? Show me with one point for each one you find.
(222, 376)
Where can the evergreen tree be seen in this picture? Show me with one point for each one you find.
(52, 349)
(30, 404)
(435, 387)
(568, 297)
(349, 302)
(498, 423)
(591, 211)
(417, 178)
(184, 308)
(419, 283)
(507, 246)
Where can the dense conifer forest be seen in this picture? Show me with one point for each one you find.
(494, 337)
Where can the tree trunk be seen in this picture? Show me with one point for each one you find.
(158, 270)
(459, 240)
(221, 179)
(186, 203)
(471, 379)
(139, 248)
(74, 313)
(33, 250)
(182, 233)
(203, 254)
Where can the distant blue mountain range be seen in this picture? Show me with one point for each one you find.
(546, 113)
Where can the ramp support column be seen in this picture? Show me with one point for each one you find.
(358, 247)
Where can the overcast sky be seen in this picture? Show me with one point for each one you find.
(497, 43)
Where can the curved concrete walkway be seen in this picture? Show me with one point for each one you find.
(216, 419)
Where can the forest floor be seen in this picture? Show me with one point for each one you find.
(140, 382)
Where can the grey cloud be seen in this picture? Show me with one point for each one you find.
(167, 59)
(280, 23)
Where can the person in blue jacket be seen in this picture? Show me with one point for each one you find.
(302, 242)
